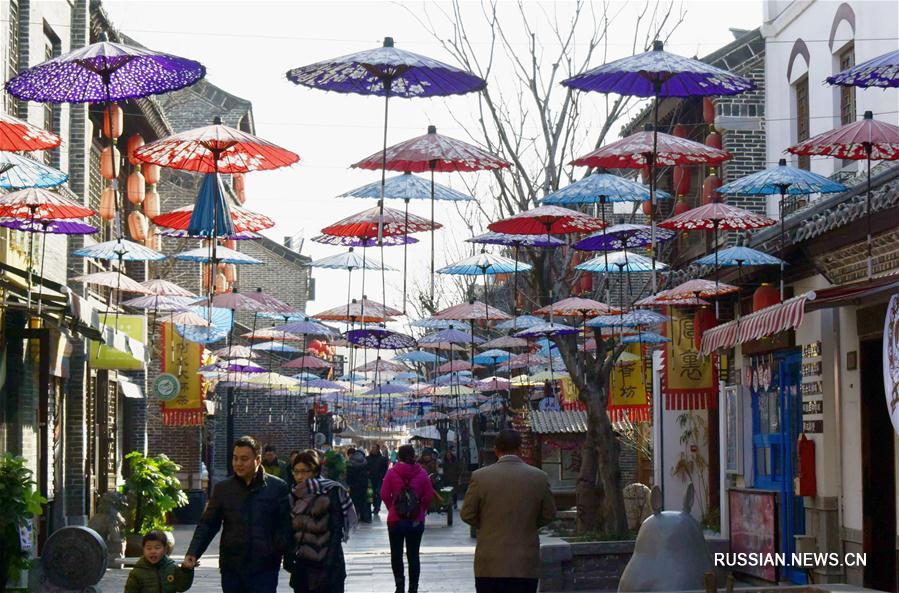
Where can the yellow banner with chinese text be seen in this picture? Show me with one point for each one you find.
(183, 359)
(630, 386)
(689, 379)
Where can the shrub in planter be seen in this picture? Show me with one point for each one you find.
(19, 503)
(152, 491)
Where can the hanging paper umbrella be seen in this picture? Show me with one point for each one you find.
(622, 236)
(520, 322)
(391, 241)
(879, 72)
(601, 188)
(224, 256)
(547, 220)
(272, 334)
(350, 260)
(381, 339)
(698, 288)
(269, 303)
(635, 318)
(360, 311)
(232, 300)
(159, 302)
(211, 213)
(379, 365)
(547, 329)
(365, 224)
(485, 263)
(431, 323)
(409, 376)
(867, 140)
(306, 328)
(162, 287)
(38, 203)
(274, 347)
(664, 299)
(621, 261)
(740, 256)
(576, 306)
(432, 152)
(120, 250)
(387, 389)
(492, 356)
(455, 366)
(20, 136)
(516, 241)
(448, 337)
(20, 172)
(112, 280)
(406, 187)
(234, 365)
(306, 362)
(237, 351)
(507, 342)
(273, 380)
(183, 318)
(243, 220)
(472, 311)
(645, 338)
(323, 384)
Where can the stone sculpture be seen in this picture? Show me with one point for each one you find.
(109, 523)
(74, 560)
(636, 504)
(670, 553)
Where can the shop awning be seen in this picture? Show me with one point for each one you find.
(86, 314)
(130, 390)
(853, 293)
(765, 322)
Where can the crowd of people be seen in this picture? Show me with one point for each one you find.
(296, 514)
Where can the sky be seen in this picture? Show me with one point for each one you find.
(248, 47)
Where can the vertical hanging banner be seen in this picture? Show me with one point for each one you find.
(689, 379)
(891, 360)
(629, 386)
(182, 358)
(570, 395)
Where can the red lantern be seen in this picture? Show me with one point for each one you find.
(151, 202)
(136, 188)
(238, 181)
(110, 160)
(681, 206)
(710, 188)
(230, 244)
(138, 226)
(708, 110)
(647, 207)
(135, 141)
(765, 296)
(680, 130)
(713, 139)
(107, 204)
(586, 283)
(151, 173)
(315, 345)
(703, 320)
(221, 283)
(682, 180)
(113, 112)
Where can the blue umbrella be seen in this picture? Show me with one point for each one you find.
(454, 377)
(882, 71)
(601, 188)
(222, 256)
(784, 180)
(620, 261)
(306, 328)
(365, 241)
(547, 329)
(274, 347)
(211, 216)
(219, 328)
(485, 264)
(450, 336)
(741, 256)
(645, 338)
(407, 187)
(520, 322)
(121, 250)
(305, 377)
(20, 172)
(636, 318)
(407, 376)
(420, 356)
(657, 73)
(492, 356)
(431, 323)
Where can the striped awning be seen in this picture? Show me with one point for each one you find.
(765, 322)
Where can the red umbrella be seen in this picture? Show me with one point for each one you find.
(867, 139)
(17, 135)
(215, 149)
(244, 220)
(432, 152)
(636, 151)
(552, 220)
(40, 204)
(366, 224)
(664, 299)
(307, 362)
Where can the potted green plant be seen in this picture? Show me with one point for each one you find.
(153, 491)
(19, 503)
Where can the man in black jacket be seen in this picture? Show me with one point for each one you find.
(253, 510)
(377, 469)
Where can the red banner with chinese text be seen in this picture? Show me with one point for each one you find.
(689, 379)
(183, 359)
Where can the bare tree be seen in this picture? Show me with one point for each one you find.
(539, 125)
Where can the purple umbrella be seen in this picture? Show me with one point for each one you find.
(104, 72)
(379, 338)
(365, 241)
(657, 73)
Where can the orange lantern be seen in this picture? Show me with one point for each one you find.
(151, 173)
(681, 180)
(221, 283)
(230, 272)
(585, 284)
(703, 320)
(154, 241)
(135, 141)
(113, 112)
(238, 180)
(680, 130)
(151, 202)
(107, 204)
(138, 226)
(110, 162)
(230, 244)
(710, 188)
(681, 206)
(708, 110)
(206, 271)
(765, 296)
(136, 188)
(713, 139)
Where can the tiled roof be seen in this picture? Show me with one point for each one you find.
(558, 422)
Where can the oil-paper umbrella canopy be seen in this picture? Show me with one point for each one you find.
(51, 227)
(657, 73)
(472, 311)
(104, 71)
(306, 328)
(520, 322)
(365, 224)
(516, 241)
(307, 362)
(407, 187)
(121, 250)
(621, 261)
(390, 241)
(506, 342)
(739, 256)
(215, 149)
(112, 280)
(601, 188)
(269, 333)
(882, 72)
(577, 307)
(636, 151)
(485, 264)
(698, 288)
(19, 172)
(622, 236)
(380, 365)
(379, 338)
(386, 71)
(374, 312)
(242, 219)
(20, 136)
(160, 302)
(231, 300)
(717, 215)
(223, 256)
(37, 203)
(782, 179)
(350, 260)
(547, 220)
(447, 337)
(166, 288)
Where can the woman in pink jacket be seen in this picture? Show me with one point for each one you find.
(407, 492)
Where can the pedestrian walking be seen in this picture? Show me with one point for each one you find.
(407, 493)
(274, 466)
(357, 480)
(155, 572)
(507, 503)
(322, 517)
(252, 509)
(377, 469)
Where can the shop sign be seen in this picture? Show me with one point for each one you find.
(812, 406)
(166, 387)
(813, 426)
(108, 358)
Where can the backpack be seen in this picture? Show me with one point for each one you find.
(407, 505)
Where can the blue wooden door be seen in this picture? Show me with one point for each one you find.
(776, 425)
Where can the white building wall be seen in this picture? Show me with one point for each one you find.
(812, 21)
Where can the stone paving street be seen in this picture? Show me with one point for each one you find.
(446, 557)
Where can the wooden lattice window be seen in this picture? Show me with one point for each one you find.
(12, 63)
(802, 117)
(847, 93)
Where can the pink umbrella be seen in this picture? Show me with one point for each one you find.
(307, 362)
(457, 365)
(505, 342)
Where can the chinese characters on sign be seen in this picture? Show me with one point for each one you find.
(182, 358)
(689, 379)
(630, 386)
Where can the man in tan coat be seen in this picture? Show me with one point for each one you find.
(507, 503)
